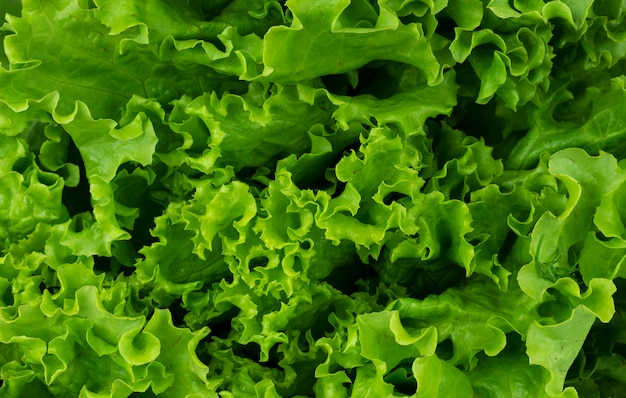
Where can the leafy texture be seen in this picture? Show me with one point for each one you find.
(339, 198)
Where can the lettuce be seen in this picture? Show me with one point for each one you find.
(337, 198)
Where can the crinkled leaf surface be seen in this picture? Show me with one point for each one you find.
(339, 198)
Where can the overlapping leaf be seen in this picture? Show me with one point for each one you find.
(335, 198)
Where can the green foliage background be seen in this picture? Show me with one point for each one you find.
(332, 198)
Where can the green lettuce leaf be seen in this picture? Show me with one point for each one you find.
(291, 54)
(292, 199)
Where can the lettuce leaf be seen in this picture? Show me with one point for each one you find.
(342, 198)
